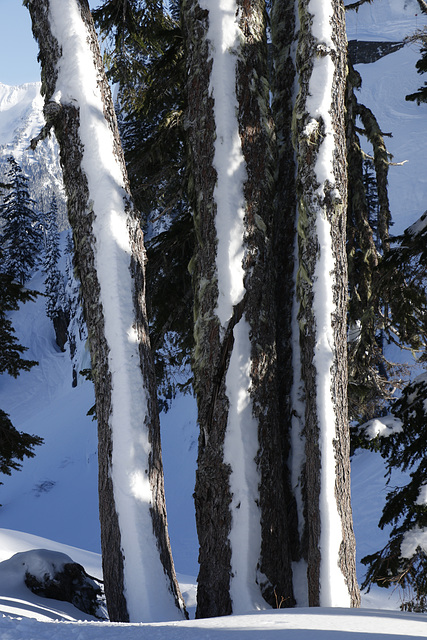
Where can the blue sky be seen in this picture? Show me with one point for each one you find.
(18, 49)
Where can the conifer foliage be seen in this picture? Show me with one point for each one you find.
(402, 561)
(146, 58)
(14, 445)
(387, 304)
(53, 280)
(54, 283)
(21, 234)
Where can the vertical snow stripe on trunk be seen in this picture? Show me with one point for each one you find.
(333, 590)
(322, 292)
(225, 41)
(241, 436)
(148, 595)
(240, 451)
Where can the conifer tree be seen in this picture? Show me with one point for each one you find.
(210, 370)
(321, 290)
(146, 58)
(14, 445)
(76, 329)
(239, 495)
(387, 299)
(403, 560)
(54, 283)
(110, 258)
(20, 237)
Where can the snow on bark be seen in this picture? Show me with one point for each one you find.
(225, 40)
(241, 436)
(322, 294)
(147, 588)
(240, 451)
(239, 491)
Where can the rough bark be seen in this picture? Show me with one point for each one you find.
(215, 342)
(256, 131)
(328, 204)
(283, 33)
(64, 117)
(212, 494)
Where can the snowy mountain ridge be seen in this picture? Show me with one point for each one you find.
(21, 120)
(21, 114)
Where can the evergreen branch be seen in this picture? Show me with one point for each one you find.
(51, 111)
(356, 5)
(423, 6)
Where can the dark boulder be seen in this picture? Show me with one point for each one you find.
(69, 583)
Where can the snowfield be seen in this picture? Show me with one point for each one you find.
(298, 624)
(25, 616)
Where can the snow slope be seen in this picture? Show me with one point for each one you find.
(384, 87)
(21, 109)
(296, 624)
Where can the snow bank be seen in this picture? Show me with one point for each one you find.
(300, 624)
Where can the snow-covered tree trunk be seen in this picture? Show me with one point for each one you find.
(140, 581)
(244, 551)
(329, 545)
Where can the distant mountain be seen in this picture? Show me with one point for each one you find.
(21, 119)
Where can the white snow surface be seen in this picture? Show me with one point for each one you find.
(25, 616)
(21, 100)
(384, 87)
(77, 83)
(414, 539)
(224, 37)
(383, 426)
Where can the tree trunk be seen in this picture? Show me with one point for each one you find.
(322, 292)
(244, 550)
(140, 581)
(283, 81)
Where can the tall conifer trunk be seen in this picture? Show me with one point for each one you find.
(244, 551)
(140, 581)
(320, 145)
(283, 83)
